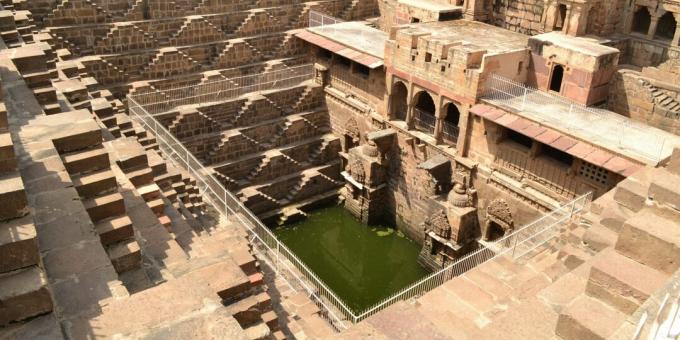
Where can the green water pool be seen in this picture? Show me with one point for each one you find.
(361, 264)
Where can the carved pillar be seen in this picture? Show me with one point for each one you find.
(551, 17)
(438, 126)
(581, 19)
(652, 27)
(439, 120)
(409, 116)
(676, 37)
(628, 19)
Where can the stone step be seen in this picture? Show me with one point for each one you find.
(652, 239)
(663, 189)
(85, 161)
(157, 206)
(104, 207)
(24, 294)
(140, 177)
(8, 161)
(258, 331)
(588, 318)
(149, 192)
(621, 282)
(156, 163)
(249, 311)
(271, 320)
(114, 230)
(125, 256)
(246, 261)
(13, 197)
(18, 244)
(95, 183)
(168, 178)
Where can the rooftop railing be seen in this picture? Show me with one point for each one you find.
(221, 90)
(317, 19)
(602, 127)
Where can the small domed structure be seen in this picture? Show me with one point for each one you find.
(458, 196)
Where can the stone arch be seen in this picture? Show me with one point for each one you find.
(451, 124)
(399, 101)
(424, 111)
(499, 220)
(641, 20)
(665, 29)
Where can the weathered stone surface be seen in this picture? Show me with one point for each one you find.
(652, 240)
(13, 197)
(588, 319)
(621, 282)
(18, 244)
(23, 294)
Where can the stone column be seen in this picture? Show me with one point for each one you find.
(464, 124)
(409, 116)
(652, 27)
(439, 120)
(580, 19)
(676, 37)
(567, 19)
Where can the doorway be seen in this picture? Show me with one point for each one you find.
(556, 78)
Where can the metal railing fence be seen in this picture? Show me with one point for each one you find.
(281, 259)
(516, 244)
(317, 19)
(608, 127)
(284, 262)
(424, 121)
(160, 101)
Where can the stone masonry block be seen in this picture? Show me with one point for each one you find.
(23, 294)
(651, 239)
(18, 244)
(13, 197)
(631, 194)
(588, 319)
(664, 189)
(622, 282)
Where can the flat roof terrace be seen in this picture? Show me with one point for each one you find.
(606, 129)
(475, 34)
(432, 6)
(355, 35)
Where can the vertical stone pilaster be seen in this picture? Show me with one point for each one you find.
(676, 37)
(409, 116)
(652, 27)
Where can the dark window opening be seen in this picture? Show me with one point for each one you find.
(342, 61)
(520, 67)
(428, 57)
(557, 155)
(423, 115)
(519, 139)
(426, 103)
(561, 17)
(415, 20)
(641, 20)
(448, 16)
(399, 107)
(495, 231)
(324, 54)
(362, 70)
(666, 27)
(556, 79)
(452, 115)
